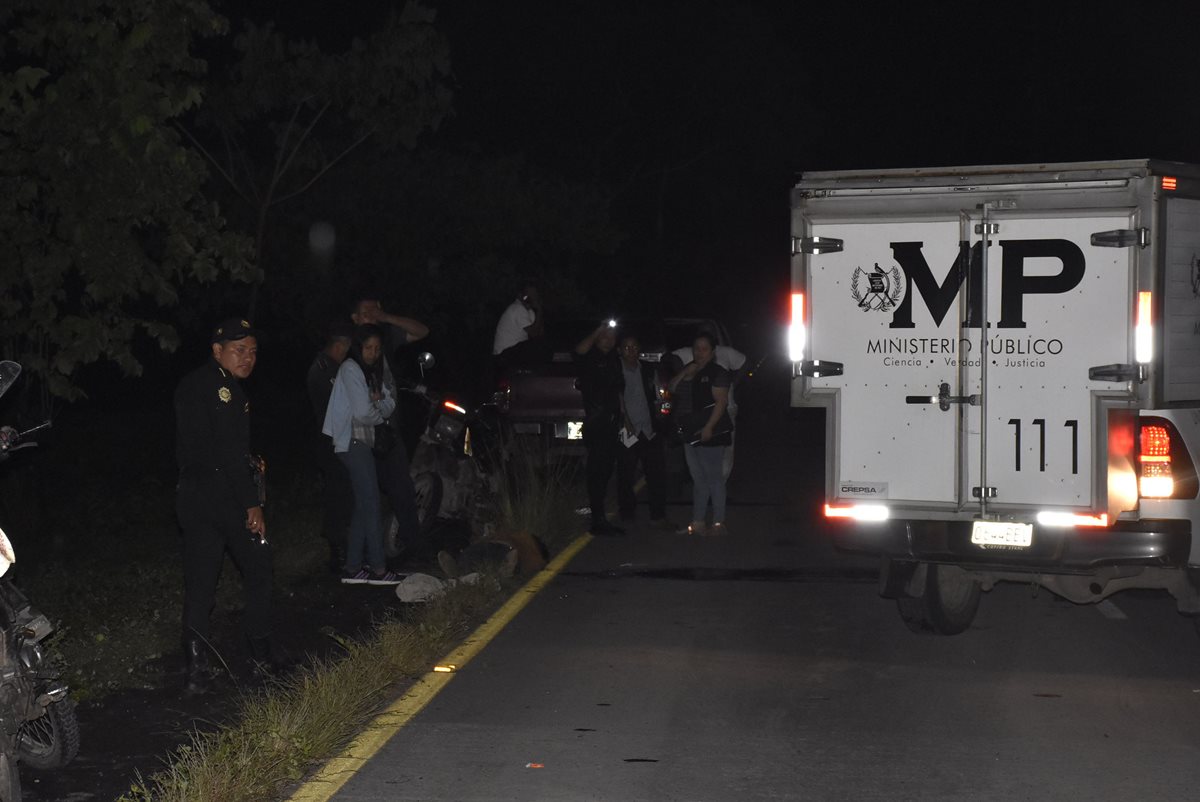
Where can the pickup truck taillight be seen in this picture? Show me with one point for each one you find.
(502, 398)
(1165, 468)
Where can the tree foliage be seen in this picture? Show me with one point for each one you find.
(101, 211)
(284, 112)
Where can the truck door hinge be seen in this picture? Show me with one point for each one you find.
(1118, 373)
(1122, 238)
(816, 245)
(943, 399)
(816, 368)
(992, 228)
(978, 492)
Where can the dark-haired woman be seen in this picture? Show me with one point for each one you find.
(359, 402)
(710, 434)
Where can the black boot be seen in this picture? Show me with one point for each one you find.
(195, 677)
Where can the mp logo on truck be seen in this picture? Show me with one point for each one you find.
(1015, 284)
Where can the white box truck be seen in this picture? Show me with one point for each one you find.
(1009, 362)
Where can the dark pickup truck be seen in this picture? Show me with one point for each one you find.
(542, 402)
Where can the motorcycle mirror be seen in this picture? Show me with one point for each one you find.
(425, 360)
(9, 371)
(7, 555)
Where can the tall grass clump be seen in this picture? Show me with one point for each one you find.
(538, 495)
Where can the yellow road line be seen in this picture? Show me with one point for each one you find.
(337, 772)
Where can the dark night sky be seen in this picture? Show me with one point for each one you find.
(705, 112)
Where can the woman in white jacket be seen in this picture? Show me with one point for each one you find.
(361, 400)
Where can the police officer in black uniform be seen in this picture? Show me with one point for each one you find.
(219, 501)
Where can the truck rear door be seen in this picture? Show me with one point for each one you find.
(1057, 306)
(901, 307)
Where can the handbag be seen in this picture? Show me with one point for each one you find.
(690, 424)
(386, 438)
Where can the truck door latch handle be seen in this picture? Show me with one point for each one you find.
(943, 399)
(1118, 373)
(816, 368)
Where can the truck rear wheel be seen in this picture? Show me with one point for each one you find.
(946, 607)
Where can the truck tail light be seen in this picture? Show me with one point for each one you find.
(1165, 468)
(1064, 519)
(859, 512)
(797, 334)
(502, 398)
(1143, 342)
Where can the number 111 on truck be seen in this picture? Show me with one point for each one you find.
(1008, 358)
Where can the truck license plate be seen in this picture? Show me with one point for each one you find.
(1002, 534)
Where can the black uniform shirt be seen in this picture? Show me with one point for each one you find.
(601, 381)
(212, 431)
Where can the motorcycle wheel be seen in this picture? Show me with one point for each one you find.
(10, 780)
(50, 741)
(427, 488)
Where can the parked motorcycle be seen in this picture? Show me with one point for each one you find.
(37, 720)
(454, 463)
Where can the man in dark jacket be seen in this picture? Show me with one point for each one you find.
(643, 437)
(601, 383)
(335, 481)
(219, 501)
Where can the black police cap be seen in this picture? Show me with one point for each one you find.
(234, 328)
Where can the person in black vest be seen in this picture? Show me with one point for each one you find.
(707, 431)
(644, 437)
(601, 382)
(219, 501)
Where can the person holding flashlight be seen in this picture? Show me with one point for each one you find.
(602, 383)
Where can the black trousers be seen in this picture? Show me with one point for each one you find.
(212, 523)
(337, 496)
(653, 456)
(395, 480)
(601, 444)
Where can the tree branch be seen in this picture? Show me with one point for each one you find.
(281, 171)
(324, 169)
(232, 183)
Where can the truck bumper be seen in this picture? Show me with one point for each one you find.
(1162, 543)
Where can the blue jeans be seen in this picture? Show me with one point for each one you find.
(365, 546)
(706, 465)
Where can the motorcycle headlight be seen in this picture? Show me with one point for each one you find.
(31, 654)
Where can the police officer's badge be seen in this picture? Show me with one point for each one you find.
(224, 394)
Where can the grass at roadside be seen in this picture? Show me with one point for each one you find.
(285, 730)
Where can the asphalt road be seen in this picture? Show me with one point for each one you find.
(763, 665)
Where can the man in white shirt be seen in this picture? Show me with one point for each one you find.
(520, 322)
(733, 361)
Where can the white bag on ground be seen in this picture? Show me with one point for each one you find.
(423, 587)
